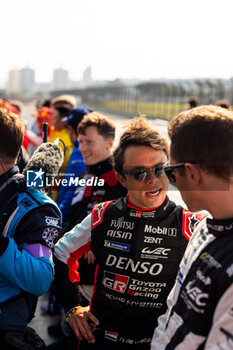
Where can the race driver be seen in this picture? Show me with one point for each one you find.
(138, 242)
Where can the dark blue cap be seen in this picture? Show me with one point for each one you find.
(75, 116)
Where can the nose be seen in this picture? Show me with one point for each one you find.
(150, 176)
(82, 147)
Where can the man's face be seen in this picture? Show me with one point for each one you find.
(72, 133)
(93, 146)
(151, 192)
(56, 119)
(189, 194)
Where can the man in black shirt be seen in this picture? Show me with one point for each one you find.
(199, 314)
(138, 242)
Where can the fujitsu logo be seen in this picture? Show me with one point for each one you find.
(120, 223)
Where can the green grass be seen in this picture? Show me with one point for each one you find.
(163, 110)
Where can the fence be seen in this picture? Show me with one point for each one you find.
(162, 99)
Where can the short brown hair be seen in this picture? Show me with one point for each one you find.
(204, 135)
(138, 133)
(11, 135)
(223, 104)
(105, 126)
(63, 104)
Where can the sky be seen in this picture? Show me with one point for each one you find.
(134, 39)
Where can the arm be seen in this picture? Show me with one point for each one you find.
(67, 250)
(78, 321)
(158, 341)
(25, 271)
(221, 332)
(73, 245)
(26, 260)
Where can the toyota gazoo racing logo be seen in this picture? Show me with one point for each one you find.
(115, 282)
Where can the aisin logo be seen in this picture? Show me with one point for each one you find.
(35, 178)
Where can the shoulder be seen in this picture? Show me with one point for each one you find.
(190, 222)
(98, 213)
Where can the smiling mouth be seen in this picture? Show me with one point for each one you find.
(86, 155)
(153, 193)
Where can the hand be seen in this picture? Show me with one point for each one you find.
(90, 257)
(78, 321)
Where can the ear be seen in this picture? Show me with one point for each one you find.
(121, 178)
(110, 142)
(194, 173)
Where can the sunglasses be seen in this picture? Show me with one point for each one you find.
(168, 169)
(140, 174)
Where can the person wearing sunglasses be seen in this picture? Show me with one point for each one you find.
(199, 314)
(138, 242)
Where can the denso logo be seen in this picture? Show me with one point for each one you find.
(51, 221)
(127, 264)
(156, 251)
(120, 223)
(170, 231)
(115, 282)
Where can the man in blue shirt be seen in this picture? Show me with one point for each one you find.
(29, 224)
(76, 165)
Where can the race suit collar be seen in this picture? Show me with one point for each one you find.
(219, 227)
(131, 205)
(159, 212)
(6, 176)
(101, 167)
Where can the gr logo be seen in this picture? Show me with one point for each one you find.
(115, 282)
(35, 178)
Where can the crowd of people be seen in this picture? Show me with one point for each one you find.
(126, 267)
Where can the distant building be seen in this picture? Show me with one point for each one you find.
(43, 88)
(2, 94)
(87, 77)
(27, 81)
(60, 79)
(13, 82)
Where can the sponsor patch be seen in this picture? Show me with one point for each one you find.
(152, 240)
(111, 335)
(98, 214)
(51, 221)
(155, 253)
(115, 282)
(49, 235)
(120, 223)
(142, 214)
(119, 234)
(190, 222)
(170, 231)
(26, 203)
(116, 245)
